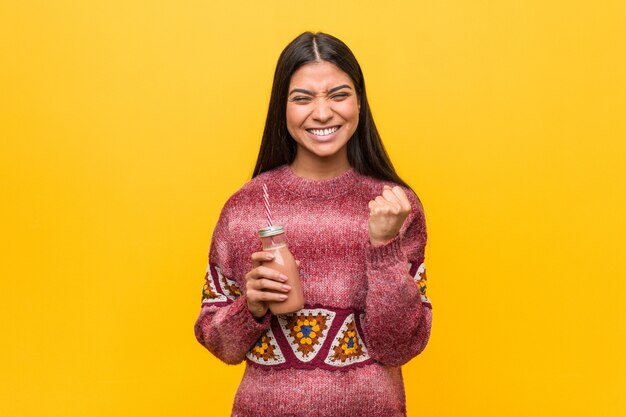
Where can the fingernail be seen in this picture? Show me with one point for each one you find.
(283, 297)
(283, 277)
(286, 287)
(269, 256)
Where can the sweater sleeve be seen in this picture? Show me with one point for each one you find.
(225, 326)
(398, 314)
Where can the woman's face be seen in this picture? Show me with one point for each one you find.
(322, 112)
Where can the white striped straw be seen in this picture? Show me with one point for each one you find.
(266, 198)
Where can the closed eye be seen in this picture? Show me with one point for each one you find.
(340, 96)
(300, 99)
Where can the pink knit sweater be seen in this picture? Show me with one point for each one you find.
(365, 314)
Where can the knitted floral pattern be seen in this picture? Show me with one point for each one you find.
(213, 291)
(306, 330)
(422, 283)
(419, 276)
(349, 345)
(263, 349)
(266, 351)
(231, 288)
(208, 291)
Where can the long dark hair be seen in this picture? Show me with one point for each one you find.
(366, 153)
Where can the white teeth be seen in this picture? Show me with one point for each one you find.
(324, 132)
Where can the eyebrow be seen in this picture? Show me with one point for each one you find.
(332, 90)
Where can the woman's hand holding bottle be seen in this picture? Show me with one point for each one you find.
(264, 284)
(387, 214)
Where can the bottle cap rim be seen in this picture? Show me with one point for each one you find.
(271, 231)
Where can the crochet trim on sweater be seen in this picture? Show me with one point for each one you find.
(312, 338)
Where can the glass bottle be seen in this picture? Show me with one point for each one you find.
(273, 240)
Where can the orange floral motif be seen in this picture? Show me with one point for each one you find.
(207, 291)
(231, 288)
(422, 283)
(306, 329)
(263, 349)
(349, 345)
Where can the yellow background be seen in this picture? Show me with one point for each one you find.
(125, 125)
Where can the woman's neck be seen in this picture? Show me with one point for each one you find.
(319, 168)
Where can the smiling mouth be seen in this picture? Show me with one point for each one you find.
(324, 132)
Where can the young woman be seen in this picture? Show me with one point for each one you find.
(359, 234)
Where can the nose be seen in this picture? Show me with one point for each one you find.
(323, 111)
